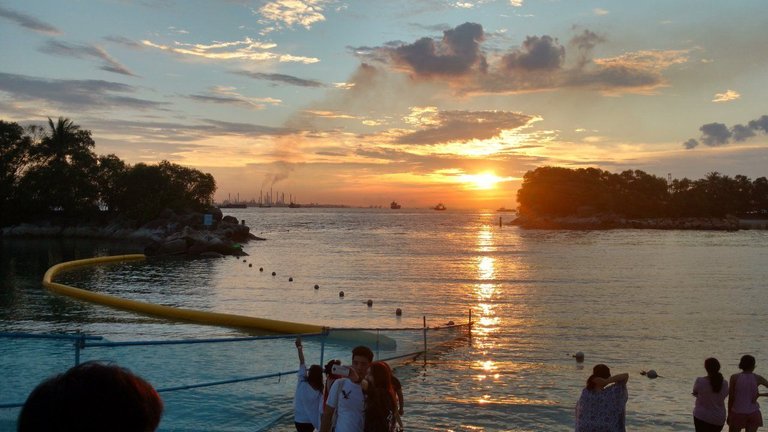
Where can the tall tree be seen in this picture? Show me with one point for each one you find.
(173, 187)
(110, 171)
(15, 146)
(63, 174)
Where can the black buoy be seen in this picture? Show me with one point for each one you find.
(261, 269)
(650, 374)
(250, 265)
(579, 356)
(317, 286)
(398, 312)
(274, 274)
(243, 260)
(369, 302)
(290, 279)
(341, 293)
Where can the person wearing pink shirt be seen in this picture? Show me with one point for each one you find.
(743, 409)
(710, 392)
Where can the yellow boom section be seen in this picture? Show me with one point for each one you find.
(190, 315)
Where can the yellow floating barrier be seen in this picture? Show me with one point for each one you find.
(192, 315)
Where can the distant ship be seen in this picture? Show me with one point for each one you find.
(233, 205)
(506, 210)
(294, 205)
(394, 205)
(439, 206)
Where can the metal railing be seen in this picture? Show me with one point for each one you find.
(82, 341)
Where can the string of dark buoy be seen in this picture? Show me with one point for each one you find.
(398, 311)
(650, 373)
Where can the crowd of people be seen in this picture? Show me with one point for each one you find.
(363, 397)
(602, 404)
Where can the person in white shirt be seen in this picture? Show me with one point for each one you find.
(309, 394)
(346, 399)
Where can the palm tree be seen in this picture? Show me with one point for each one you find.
(64, 173)
(64, 143)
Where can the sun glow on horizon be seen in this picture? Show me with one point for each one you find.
(483, 181)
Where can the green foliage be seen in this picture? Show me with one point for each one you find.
(62, 175)
(14, 156)
(172, 186)
(110, 171)
(55, 174)
(554, 191)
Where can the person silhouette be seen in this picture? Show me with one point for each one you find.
(92, 397)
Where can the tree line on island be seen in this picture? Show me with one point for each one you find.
(54, 174)
(584, 192)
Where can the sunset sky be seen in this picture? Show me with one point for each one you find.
(421, 101)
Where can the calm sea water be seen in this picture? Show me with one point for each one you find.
(634, 299)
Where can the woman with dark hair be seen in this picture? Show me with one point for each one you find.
(710, 392)
(309, 394)
(601, 407)
(381, 400)
(743, 410)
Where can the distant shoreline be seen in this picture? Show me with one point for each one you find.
(606, 222)
(190, 233)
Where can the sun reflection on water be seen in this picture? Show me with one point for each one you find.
(486, 291)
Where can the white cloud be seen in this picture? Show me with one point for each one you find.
(729, 95)
(246, 49)
(294, 12)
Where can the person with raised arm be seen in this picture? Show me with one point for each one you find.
(602, 405)
(309, 394)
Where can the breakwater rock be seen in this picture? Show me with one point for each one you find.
(208, 234)
(600, 222)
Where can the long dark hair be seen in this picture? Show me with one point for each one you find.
(601, 371)
(713, 372)
(381, 400)
(315, 377)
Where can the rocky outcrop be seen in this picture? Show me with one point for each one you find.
(609, 221)
(170, 234)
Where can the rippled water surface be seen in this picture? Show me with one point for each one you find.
(634, 299)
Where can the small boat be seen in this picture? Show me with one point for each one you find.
(505, 210)
(394, 205)
(439, 206)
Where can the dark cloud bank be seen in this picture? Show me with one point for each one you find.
(718, 134)
(539, 63)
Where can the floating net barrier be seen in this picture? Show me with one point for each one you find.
(233, 384)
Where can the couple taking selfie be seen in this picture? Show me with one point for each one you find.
(363, 397)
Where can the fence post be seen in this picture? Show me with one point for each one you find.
(425, 339)
(469, 326)
(322, 346)
(79, 344)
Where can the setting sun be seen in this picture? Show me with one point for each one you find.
(483, 181)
